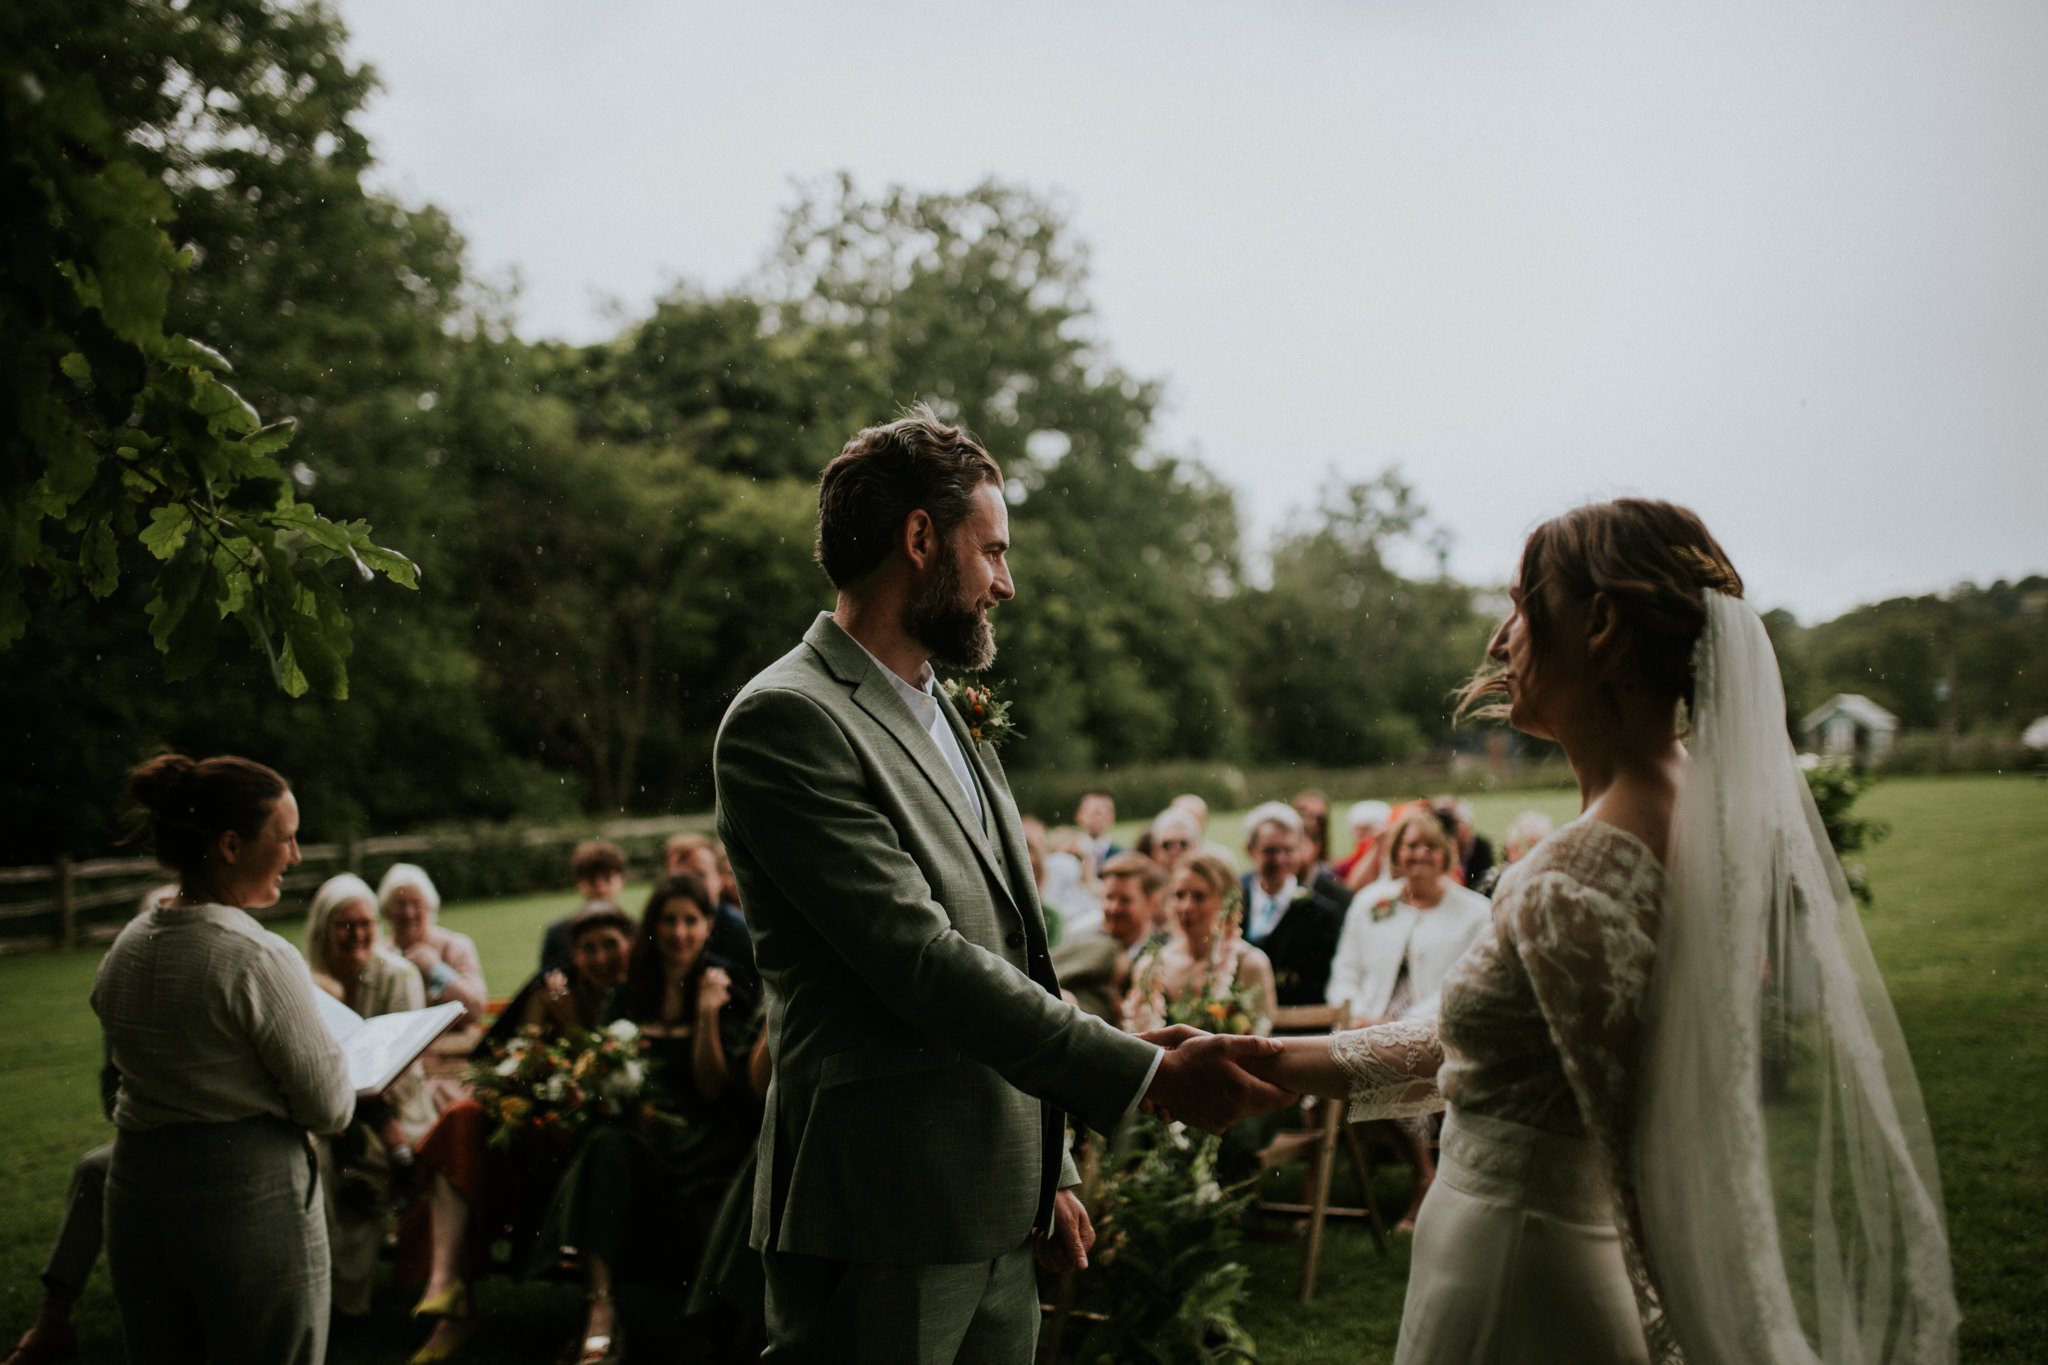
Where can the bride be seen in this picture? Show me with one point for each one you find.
(1681, 1120)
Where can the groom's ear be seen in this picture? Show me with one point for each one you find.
(919, 539)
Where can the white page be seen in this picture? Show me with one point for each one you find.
(387, 1044)
(377, 1049)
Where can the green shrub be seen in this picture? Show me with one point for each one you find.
(1166, 1276)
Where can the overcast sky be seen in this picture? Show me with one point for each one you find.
(1787, 263)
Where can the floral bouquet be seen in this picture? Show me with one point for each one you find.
(1233, 1007)
(558, 1086)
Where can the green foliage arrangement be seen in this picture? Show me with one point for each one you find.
(1836, 786)
(118, 434)
(1166, 1279)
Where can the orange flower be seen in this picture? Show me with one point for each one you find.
(1217, 1010)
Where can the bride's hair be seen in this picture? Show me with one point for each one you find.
(1652, 559)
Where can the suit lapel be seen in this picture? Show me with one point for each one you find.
(876, 696)
(995, 800)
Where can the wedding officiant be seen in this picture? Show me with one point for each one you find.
(215, 1238)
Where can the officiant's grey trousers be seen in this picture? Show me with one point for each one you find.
(217, 1245)
(979, 1313)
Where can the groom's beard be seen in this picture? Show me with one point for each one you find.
(957, 634)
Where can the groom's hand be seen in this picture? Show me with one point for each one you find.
(1204, 1081)
(1066, 1247)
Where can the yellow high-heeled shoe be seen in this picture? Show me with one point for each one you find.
(452, 1302)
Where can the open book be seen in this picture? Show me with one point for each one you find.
(378, 1049)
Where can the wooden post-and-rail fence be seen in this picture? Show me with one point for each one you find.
(66, 902)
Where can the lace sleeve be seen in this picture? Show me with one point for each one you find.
(1392, 1068)
(1588, 962)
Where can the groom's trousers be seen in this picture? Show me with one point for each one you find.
(978, 1313)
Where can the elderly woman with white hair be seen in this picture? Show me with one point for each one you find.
(1527, 830)
(448, 964)
(363, 1165)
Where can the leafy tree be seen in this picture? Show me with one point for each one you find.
(977, 303)
(1359, 659)
(123, 441)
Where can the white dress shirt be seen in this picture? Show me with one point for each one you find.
(923, 700)
(1266, 911)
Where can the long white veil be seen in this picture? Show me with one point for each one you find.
(1791, 1208)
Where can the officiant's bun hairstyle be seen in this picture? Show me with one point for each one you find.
(1653, 560)
(883, 475)
(192, 802)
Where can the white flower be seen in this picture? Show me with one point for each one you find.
(554, 1087)
(1208, 1192)
(508, 1066)
(625, 1030)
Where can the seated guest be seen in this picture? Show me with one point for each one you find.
(1314, 809)
(1529, 829)
(1399, 943)
(599, 868)
(1367, 862)
(1196, 807)
(638, 1200)
(704, 859)
(1094, 966)
(476, 1193)
(361, 1166)
(448, 964)
(1294, 925)
(1475, 853)
(1062, 884)
(1205, 957)
(1095, 813)
(52, 1337)
(1175, 835)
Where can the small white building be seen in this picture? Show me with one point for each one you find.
(1848, 725)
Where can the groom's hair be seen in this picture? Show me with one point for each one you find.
(883, 475)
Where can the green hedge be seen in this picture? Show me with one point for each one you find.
(1930, 751)
(1142, 791)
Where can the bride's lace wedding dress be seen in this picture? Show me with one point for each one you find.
(1529, 1246)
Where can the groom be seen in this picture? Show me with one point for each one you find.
(913, 1156)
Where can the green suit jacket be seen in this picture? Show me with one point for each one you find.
(922, 1054)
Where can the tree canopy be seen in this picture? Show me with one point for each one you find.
(609, 539)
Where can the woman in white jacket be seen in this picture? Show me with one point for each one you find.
(1399, 942)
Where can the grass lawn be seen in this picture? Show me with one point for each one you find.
(1958, 927)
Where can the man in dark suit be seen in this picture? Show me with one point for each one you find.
(1295, 925)
(912, 1153)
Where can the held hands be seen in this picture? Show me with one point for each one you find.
(1212, 1080)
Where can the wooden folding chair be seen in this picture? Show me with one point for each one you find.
(1319, 1145)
